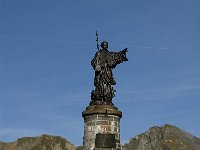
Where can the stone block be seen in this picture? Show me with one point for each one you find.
(101, 119)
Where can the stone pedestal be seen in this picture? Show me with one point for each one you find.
(102, 127)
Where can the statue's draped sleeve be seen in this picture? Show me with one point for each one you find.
(115, 58)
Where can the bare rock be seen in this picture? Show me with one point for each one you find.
(167, 137)
(45, 142)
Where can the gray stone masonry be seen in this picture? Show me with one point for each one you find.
(104, 119)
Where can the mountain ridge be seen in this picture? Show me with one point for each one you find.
(166, 137)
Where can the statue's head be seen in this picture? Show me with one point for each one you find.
(104, 45)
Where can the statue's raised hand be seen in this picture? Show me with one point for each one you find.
(123, 57)
(125, 50)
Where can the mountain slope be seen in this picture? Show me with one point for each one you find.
(167, 137)
(45, 142)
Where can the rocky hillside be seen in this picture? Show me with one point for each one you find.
(156, 138)
(164, 138)
(45, 142)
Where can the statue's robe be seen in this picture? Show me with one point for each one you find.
(103, 63)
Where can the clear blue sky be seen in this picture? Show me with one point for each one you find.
(46, 78)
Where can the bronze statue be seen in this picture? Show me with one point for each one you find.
(103, 63)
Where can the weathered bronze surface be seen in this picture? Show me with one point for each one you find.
(105, 141)
(103, 63)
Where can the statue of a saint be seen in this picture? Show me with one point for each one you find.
(103, 63)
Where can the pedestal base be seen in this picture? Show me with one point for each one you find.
(102, 121)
